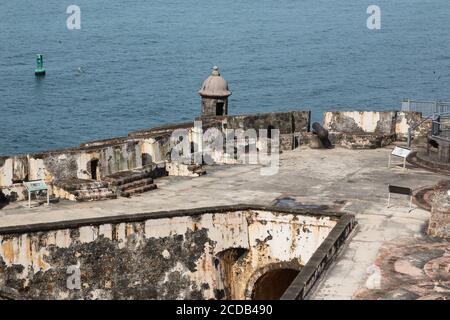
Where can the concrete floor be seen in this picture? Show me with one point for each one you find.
(355, 179)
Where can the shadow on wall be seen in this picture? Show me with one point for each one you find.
(225, 262)
(267, 283)
(3, 200)
(272, 285)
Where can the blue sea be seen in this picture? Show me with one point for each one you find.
(137, 64)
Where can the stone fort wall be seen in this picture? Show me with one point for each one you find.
(151, 148)
(166, 255)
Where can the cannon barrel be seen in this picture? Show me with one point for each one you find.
(322, 133)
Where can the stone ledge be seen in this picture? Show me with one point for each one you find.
(321, 259)
(415, 158)
(59, 225)
(361, 140)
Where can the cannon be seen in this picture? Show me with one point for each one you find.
(322, 134)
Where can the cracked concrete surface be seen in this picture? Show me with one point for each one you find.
(356, 179)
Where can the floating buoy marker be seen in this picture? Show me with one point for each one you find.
(39, 71)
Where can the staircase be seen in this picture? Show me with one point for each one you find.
(82, 190)
(128, 183)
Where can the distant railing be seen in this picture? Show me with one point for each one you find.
(440, 126)
(426, 107)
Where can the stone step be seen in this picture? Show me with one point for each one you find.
(135, 184)
(94, 194)
(126, 177)
(129, 192)
(199, 170)
(91, 191)
(96, 197)
(72, 185)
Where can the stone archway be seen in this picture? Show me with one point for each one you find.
(93, 168)
(270, 282)
(272, 285)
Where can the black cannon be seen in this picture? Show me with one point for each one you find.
(322, 134)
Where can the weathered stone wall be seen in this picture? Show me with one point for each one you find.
(111, 157)
(379, 122)
(439, 200)
(159, 131)
(67, 164)
(170, 255)
(12, 170)
(291, 125)
(276, 120)
(321, 260)
(372, 129)
(360, 122)
(409, 119)
(210, 106)
(361, 141)
(140, 148)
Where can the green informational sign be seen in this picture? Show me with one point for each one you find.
(34, 186)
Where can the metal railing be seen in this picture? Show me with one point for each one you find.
(440, 126)
(426, 107)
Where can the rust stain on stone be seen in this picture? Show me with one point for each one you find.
(8, 251)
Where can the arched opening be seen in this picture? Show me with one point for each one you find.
(146, 159)
(220, 108)
(269, 131)
(93, 168)
(272, 284)
(3, 200)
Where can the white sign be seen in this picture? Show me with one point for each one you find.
(400, 152)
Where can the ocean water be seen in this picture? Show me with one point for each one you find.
(143, 62)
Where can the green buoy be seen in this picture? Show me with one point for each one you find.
(40, 70)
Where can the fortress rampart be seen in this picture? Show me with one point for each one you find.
(207, 253)
(149, 150)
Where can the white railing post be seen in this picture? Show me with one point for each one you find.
(406, 105)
